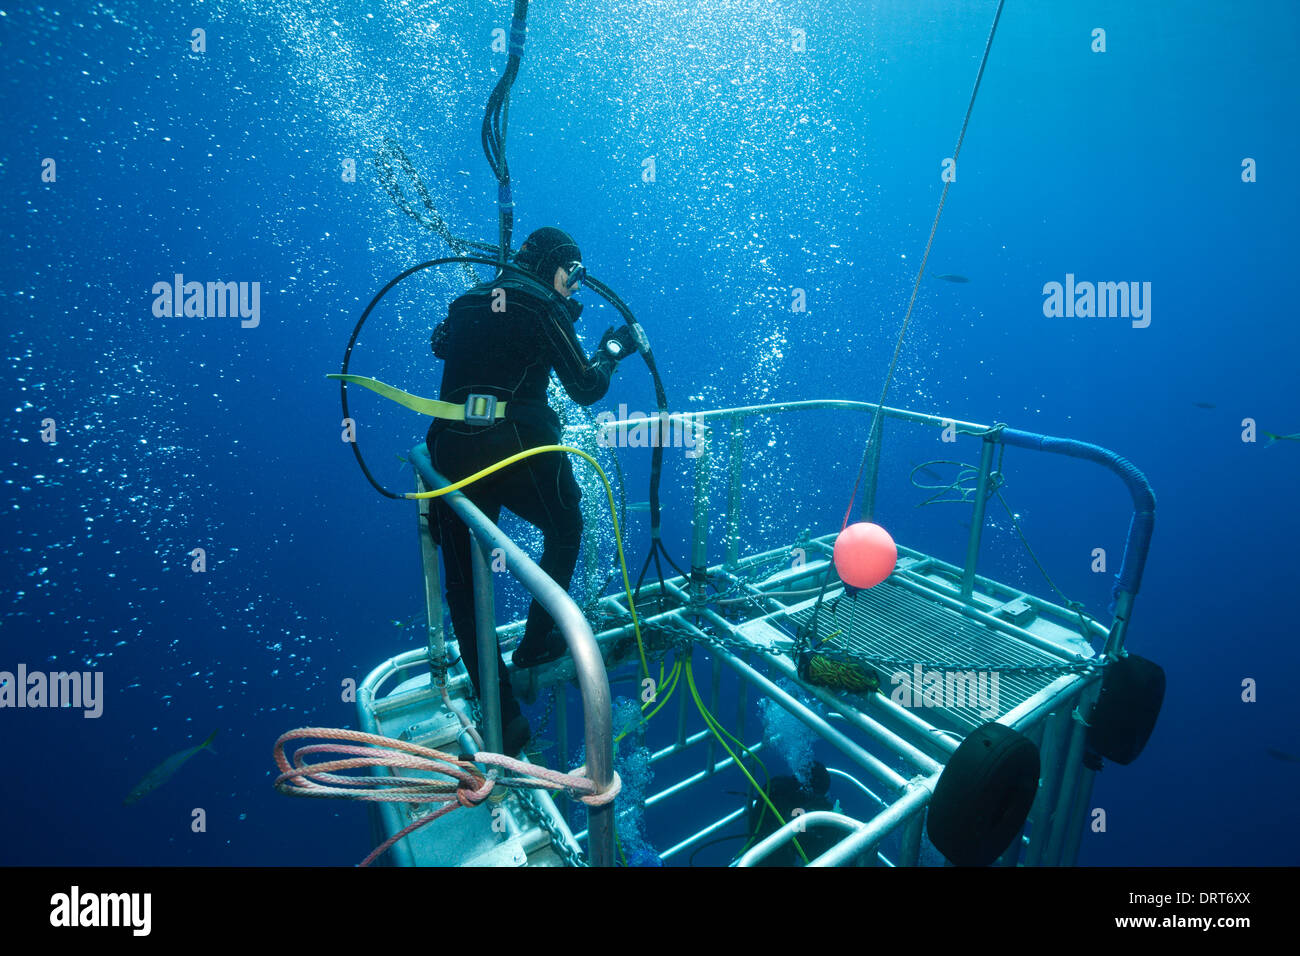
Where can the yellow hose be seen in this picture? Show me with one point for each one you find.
(714, 726)
(660, 699)
(609, 492)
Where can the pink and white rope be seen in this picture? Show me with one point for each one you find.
(467, 788)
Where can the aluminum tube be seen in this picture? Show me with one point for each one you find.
(698, 777)
(912, 802)
(687, 783)
(675, 748)
(562, 738)
(486, 623)
(819, 404)
(1049, 699)
(711, 829)
(1051, 755)
(977, 521)
(1119, 628)
(400, 852)
(735, 453)
(681, 704)
(854, 752)
(910, 844)
(760, 557)
(872, 728)
(1061, 820)
(432, 589)
(627, 630)
(1070, 857)
(589, 667)
(458, 685)
(796, 828)
(700, 514)
(410, 660)
(715, 689)
(836, 772)
(742, 698)
(369, 687)
(777, 578)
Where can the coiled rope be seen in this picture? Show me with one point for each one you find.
(468, 787)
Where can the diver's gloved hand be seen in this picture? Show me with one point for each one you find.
(618, 344)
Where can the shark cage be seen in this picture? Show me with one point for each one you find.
(961, 720)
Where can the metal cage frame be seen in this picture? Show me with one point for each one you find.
(904, 750)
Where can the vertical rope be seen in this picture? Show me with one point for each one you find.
(878, 420)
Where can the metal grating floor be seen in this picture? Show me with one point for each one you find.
(893, 628)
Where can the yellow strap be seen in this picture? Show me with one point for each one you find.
(425, 406)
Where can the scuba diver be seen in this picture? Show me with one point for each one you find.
(788, 794)
(500, 341)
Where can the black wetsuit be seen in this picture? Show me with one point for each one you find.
(510, 354)
(788, 794)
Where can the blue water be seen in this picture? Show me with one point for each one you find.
(775, 170)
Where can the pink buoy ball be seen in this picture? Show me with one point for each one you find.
(865, 554)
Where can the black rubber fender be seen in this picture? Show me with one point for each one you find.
(1132, 693)
(983, 796)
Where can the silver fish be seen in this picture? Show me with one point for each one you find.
(160, 774)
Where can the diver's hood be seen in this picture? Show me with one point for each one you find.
(546, 250)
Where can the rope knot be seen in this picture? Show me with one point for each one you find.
(473, 791)
(602, 797)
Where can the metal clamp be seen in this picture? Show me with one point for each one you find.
(480, 409)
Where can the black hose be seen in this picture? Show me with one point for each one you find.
(494, 131)
(356, 332)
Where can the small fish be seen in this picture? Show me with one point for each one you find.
(927, 471)
(160, 774)
(639, 506)
(1205, 405)
(410, 622)
(952, 277)
(1272, 438)
(1281, 755)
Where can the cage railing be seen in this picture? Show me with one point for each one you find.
(1067, 782)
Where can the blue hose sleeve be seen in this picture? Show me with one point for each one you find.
(517, 30)
(1144, 500)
